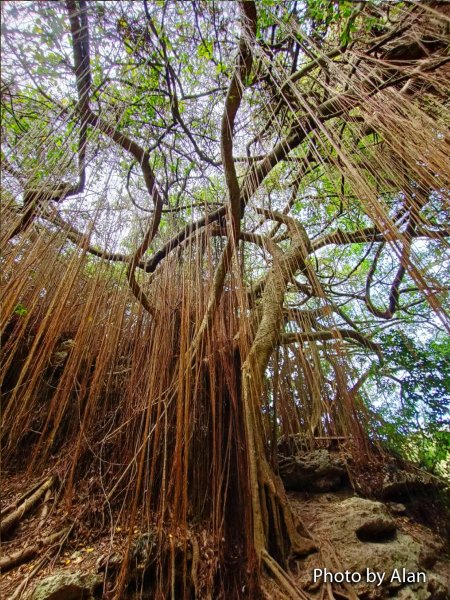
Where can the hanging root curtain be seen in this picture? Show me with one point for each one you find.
(210, 213)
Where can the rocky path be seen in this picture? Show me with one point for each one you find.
(370, 548)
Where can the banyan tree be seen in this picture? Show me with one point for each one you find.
(212, 213)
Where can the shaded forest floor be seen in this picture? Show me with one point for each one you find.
(407, 529)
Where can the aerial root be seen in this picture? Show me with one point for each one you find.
(25, 554)
(195, 564)
(273, 493)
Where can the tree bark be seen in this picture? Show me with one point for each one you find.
(13, 519)
(21, 556)
(274, 526)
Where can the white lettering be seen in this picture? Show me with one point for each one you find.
(338, 577)
(370, 576)
(316, 574)
(375, 577)
(396, 576)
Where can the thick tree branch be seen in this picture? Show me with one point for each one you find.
(339, 237)
(232, 104)
(332, 334)
(80, 41)
(82, 240)
(259, 171)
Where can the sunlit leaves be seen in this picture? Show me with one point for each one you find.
(205, 50)
(420, 420)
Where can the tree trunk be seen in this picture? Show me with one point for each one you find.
(274, 527)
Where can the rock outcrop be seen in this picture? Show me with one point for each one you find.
(315, 471)
(360, 535)
(68, 586)
(399, 484)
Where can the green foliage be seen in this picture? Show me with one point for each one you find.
(155, 83)
(21, 310)
(205, 50)
(418, 426)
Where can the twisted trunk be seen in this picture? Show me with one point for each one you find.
(274, 528)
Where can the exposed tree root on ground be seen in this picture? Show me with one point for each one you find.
(12, 519)
(283, 578)
(20, 556)
(22, 498)
(24, 583)
(45, 508)
(186, 560)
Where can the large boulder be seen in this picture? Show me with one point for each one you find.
(401, 485)
(68, 586)
(315, 471)
(364, 536)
